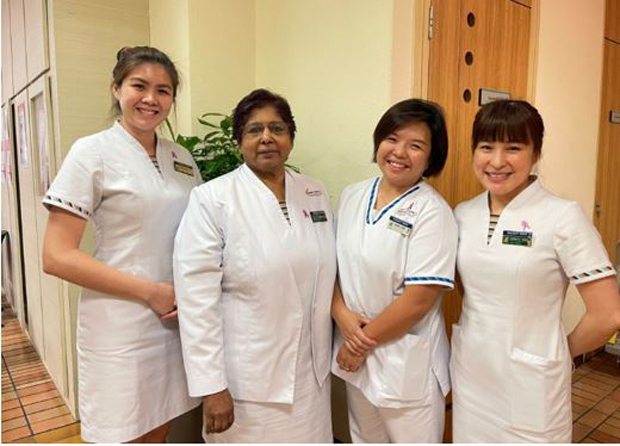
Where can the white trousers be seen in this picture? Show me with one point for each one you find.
(371, 424)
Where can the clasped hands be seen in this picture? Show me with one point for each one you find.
(357, 344)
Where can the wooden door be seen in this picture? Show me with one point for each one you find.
(476, 45)
(607, 208)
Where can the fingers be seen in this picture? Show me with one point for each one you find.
(169, 316)
(219, 412)
(353, 347)
(363, 340)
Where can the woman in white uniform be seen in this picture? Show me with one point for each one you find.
(135, 186)
(519, 248)
(396, 243)
(254, 271)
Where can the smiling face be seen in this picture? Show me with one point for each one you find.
(403, 155)
(266, 151)
(503, 168)
(145, 97)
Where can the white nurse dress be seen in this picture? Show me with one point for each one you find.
(510, 364)
(130, 369)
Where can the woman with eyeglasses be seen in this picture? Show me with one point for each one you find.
(254, 271)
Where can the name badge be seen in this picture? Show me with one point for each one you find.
(401, 226)
(517, 238)
(184, 168)
(318, 216)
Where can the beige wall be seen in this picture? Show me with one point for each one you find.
(332, 61)
(568, 93)
(213, 44)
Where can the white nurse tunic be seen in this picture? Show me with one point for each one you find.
(511, 367)
(130, 369)
(412, 241)
(254, 292)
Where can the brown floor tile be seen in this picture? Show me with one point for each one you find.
(580, 431)
(608, 406)
(593, 418)
(583, 401)
(589, 440)
(27, 384)
(609, 429)
(29, 439)
(21, 350)
(603, 378)
(41, 397)
(43, 405)
(15, 434)
(578, 410)
(76, 439)
(615, 395)
(613, 421)
(57, 435)
(33, 390)
(10, 404)
(603, 437)
(589, 380)
(591, 389)
(47, 414)
(52, 423)
(12, 413)
(587, 395)
(14, 423)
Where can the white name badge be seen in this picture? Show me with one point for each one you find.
(401, 226)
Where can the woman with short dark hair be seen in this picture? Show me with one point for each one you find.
(396, 244)
(254, 265)
(519, 248)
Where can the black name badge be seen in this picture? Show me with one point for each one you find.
(517, 238)
(318, 216)
(184, 168)
(401, 226)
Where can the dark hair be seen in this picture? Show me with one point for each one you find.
(129, 58)
(261, 98)
(411, 111)
(509, 121)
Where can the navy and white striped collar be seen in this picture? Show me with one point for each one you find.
(373, 194)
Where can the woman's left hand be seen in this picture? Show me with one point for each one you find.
(348, 361)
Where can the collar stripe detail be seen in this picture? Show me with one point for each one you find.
(371, 201)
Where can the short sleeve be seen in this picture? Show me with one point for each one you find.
(579, 247)
(77, 187)
(431, 254)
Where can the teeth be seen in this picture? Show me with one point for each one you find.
(395, 164)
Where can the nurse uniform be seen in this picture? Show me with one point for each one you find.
(130, 370)
(511, 366)
(398, 393)
(254, 292)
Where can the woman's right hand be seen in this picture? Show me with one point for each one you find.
(160, 298)
(350, 324)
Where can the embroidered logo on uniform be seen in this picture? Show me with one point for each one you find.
(306, 215)
(184, 168)
(401, 226)
(318, 216)
(517, 238)
(406, 212)
(525, 226)
(313, 193)
(174, 155)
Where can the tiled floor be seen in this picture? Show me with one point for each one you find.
(33, 412)
(32, 409)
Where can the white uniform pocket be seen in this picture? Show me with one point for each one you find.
(537, 391)
(407, 366)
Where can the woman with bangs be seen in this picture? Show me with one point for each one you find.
(519, 248)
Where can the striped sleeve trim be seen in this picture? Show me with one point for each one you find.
(65, 204)
(605, 271)
(428, 279)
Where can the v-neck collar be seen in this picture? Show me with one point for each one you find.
(373, 196)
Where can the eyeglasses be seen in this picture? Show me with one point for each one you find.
(257, 129)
